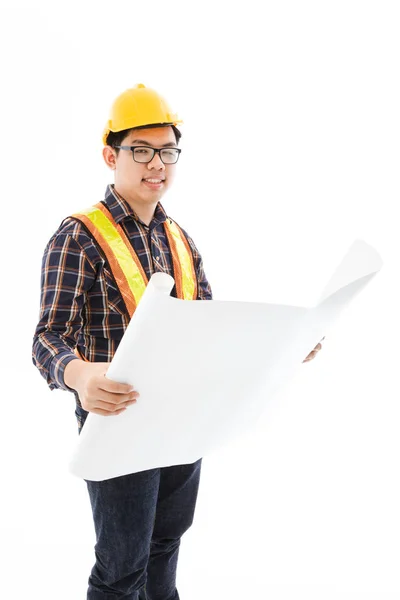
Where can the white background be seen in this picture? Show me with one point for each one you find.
(310, 509)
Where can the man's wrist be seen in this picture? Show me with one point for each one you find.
(72, 372)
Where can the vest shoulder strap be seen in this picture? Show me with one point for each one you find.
(183, 261)
(124, 263)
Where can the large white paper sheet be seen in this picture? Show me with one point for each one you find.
(205, 370)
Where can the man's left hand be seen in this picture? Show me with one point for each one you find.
(314, 352)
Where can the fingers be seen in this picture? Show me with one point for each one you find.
(103, 408)
(113, 401)
(312, 355)
(314, 352)
(113, 397)
(107, 413)
(109, 385)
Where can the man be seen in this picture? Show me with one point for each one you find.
(94, 270)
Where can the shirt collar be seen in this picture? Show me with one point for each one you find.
(120, 209)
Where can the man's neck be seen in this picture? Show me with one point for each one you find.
(144, 212)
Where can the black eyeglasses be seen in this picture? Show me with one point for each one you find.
(145, 154)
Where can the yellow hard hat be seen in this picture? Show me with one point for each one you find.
(136, 107)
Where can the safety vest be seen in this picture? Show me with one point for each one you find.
(124, 263)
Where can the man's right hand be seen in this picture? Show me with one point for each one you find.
(97, 393)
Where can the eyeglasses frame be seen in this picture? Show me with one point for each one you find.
(155, 150)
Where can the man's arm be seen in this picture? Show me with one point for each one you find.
(204, 292)
(204, 288)
(67, 273)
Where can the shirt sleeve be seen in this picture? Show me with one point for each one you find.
(204, 287)
(66, 275)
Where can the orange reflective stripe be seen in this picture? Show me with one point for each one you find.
(191, 271)
(182, 258)
(176, 263)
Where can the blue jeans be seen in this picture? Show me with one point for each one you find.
(139, 520)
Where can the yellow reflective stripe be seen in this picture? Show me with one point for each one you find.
(185, 260)
(116, 270)
(128, 266)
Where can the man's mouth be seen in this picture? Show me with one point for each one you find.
(153, 183)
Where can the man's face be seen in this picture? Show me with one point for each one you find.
(130, 175)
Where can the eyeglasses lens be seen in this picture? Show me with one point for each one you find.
(144, 155)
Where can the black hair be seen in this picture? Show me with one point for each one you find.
(115, 138)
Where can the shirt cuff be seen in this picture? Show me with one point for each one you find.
(57, 368)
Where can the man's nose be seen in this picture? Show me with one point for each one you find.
(156, 162)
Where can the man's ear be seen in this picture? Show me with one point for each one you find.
(109, 157)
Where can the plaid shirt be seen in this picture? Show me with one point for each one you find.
(79, 302)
